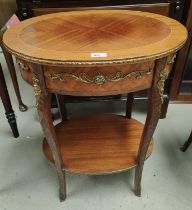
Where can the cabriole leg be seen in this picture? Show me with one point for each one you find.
(44, 111)
(153, 114)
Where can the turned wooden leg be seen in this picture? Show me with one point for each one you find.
(44, 111)
(153, 114)
(7, 105)
(11, 68)
(62, 107)
(129, 105)
(187, 143)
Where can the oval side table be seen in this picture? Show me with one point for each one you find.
(97, 53)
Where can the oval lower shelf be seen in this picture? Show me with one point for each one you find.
(98, 144)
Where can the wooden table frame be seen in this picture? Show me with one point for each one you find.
(68, 70)
(153, 114)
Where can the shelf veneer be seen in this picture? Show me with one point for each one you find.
(98, 144)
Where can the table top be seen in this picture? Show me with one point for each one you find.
(95, 37)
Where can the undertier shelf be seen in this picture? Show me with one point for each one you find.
(98, 144)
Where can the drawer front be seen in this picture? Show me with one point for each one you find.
(98, 81)
(158, 8)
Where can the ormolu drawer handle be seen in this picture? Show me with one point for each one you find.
(99, 79)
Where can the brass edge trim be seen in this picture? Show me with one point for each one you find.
(102, 173)
(89, 63)
(99, 79)
(37, 88)
(108, 172)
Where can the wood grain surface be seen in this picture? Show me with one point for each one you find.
(98, 144)
(71, 37)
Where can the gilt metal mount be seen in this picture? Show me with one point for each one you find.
(163, 76)
(22, 66)
(37, 88)
(99, 79)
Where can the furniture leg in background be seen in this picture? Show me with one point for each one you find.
(130, 101)
(63, 111)
(187, 143)
(11, 68)
(62, 101)
(62, 107)
(129, 105)
(7, 105)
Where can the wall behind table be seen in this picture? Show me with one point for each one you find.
(7, 8)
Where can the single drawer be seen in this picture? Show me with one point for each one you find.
(98, 81)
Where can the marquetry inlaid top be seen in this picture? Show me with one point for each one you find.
(97, 36)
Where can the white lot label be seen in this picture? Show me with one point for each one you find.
(98, 55)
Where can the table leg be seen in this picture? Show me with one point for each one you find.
(7, 105)
(62, 107)
(153, 114)
(129, 105)
(187, 143)
(44, 111)
(11, 68)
